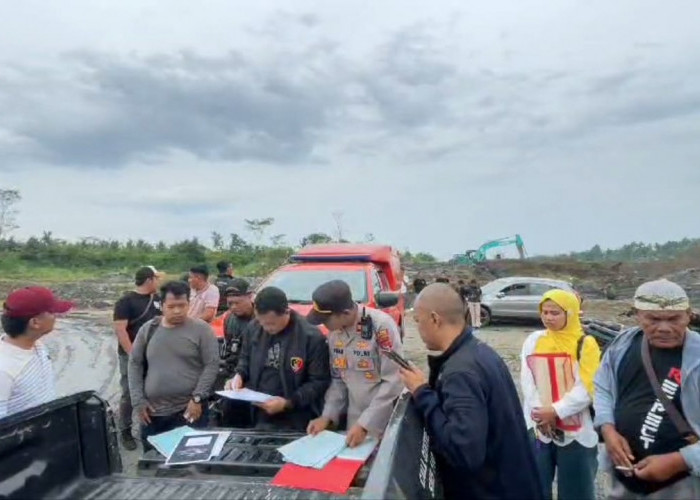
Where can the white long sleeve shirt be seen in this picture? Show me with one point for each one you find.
(574, 402)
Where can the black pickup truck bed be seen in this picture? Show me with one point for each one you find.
(125, 488)
(67, 449)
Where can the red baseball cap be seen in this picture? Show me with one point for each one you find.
(32, 301)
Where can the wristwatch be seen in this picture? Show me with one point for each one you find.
(197, 398)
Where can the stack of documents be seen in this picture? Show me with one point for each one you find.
(335, 475)
(361, 452)
(246, 395)
(313, 451)
(167, 442)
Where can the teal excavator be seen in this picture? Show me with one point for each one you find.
(472, 257)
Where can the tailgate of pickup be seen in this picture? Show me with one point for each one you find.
(125, 488)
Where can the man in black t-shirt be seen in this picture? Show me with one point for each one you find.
(131, 312)
(653, 456)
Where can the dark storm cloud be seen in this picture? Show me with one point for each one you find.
(113, 110)
(99, 110)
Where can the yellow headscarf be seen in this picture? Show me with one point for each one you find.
(565, 341)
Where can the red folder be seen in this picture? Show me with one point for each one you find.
(336, 477)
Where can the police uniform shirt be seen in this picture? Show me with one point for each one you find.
(364, 382)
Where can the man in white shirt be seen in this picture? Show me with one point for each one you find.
(204, 296)
(26, 375)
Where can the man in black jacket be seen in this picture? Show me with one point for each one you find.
(241, 311)
(284, 356)
(223, 281)
(470, 407)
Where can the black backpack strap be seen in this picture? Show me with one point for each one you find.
(155, 323)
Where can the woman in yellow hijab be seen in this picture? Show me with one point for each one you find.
(558, 365)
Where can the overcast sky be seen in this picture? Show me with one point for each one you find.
(435, 126)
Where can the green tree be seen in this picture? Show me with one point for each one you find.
(8, 213)
(315, 239)
(237, 244)
(277, 240)
(258, 227)
(217, 241)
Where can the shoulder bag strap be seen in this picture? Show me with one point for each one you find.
(678, 421)
(145, 311)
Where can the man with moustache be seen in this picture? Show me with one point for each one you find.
(647, 399)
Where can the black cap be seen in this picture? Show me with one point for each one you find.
(332, 297)
(237, 287)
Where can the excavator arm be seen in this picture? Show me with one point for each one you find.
(479, 255)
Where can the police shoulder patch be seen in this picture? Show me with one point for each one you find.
(384, 338)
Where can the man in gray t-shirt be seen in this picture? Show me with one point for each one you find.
(173, 366)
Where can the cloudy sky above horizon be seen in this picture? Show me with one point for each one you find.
(434, 126)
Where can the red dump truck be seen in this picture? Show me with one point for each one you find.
(373, 272)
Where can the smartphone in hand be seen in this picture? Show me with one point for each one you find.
(396, 358)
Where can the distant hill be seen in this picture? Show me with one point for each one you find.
(642, 252)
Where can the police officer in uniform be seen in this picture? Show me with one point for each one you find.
(365, 383)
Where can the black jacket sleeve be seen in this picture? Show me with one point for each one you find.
(243, 367)
(458, 426)
(319, 374)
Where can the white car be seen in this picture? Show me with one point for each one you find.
(516, 298)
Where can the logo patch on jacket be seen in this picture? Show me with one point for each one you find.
(297, 364)
(340, 363)
(362, 345)
(384, 339)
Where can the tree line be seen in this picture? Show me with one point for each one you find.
(258, 254)
(642, 252)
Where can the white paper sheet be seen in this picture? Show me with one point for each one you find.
(246, 395)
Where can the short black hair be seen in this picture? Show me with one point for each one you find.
(176, 289)
(143, 274)
(14, 327)
(271, 299)
(201, 270)
(222, 266)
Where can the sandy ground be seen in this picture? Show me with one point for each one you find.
(83, 350)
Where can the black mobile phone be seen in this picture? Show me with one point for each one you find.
(396, 358)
